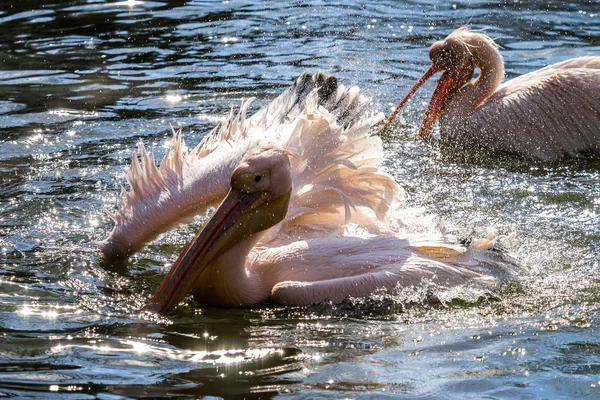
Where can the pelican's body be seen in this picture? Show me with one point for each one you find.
(236, 261)
(318, 269)
(547, 114)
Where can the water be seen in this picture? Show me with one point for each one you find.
(82, 82)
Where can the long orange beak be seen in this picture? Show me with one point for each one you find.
(209, 243)
(436, 105)
(432, 70)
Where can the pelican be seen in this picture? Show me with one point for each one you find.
(547, 114)
(308, 215)
(236, 261)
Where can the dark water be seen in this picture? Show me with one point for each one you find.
(82, 82)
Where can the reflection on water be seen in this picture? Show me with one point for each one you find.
(82, 82)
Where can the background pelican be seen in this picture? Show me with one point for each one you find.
(188, 182)
(236, 261)
(546, 114)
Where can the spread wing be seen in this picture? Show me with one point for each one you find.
(322, 122)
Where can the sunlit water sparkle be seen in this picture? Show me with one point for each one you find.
(83, 82)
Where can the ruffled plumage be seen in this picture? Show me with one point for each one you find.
(324, 124)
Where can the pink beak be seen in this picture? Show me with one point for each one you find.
(432, 70)
(208, 244)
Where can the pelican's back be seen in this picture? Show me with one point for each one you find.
(546, 114)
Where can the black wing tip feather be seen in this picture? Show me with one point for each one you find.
(348, 107)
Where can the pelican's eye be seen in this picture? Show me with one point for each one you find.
(448, 53)
(447, 58)
(252, 182)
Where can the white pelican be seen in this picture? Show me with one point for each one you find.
(309, 215)
(235, 260)
(546, 114)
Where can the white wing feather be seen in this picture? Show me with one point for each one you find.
(324, 124)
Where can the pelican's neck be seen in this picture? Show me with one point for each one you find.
(489, 61)
(229, 282)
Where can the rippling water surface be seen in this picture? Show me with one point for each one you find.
(82, 82)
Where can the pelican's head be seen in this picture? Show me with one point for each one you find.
(453, 57)
(261, 187)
